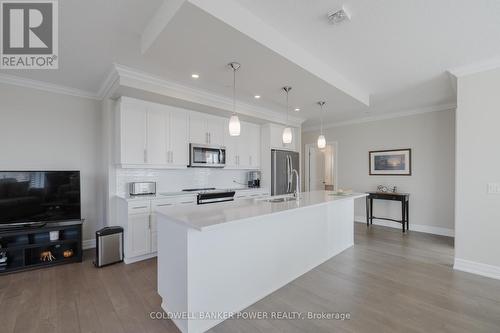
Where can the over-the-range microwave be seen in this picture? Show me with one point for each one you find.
(207, 156)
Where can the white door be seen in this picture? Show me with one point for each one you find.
(157, 120)
(198, 128)
(316, 169)
(132, 134)
(216, 130)
(179, 146)
(139, 233)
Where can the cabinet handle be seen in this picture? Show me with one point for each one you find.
(171, 157)
(206, 137)
(209, 137)
(186, 202)
(145, 155)
(149, 223)
(161, 205)
(139, 207)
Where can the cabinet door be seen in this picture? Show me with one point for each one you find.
(244, 144)
(216, 130)
(139, 235)
(231, 143)
(254, 146)
(157, 120)
(132, 134)
(179, 146)
(198, 128)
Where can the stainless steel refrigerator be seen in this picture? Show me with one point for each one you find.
(282, 179)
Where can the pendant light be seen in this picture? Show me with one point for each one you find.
(234, 121)
(287, 132)
(321, 137)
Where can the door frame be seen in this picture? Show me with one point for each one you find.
(335, 163)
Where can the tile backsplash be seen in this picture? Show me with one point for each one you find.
(178, 179)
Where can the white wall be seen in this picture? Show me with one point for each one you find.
(46, 131)
(478, 163)
(431, 185)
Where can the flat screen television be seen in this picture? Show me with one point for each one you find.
(38, 197)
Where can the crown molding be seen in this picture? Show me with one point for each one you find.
(106, 87)
(129, 77)
(45, 86)
(474, 68)
(436, 108)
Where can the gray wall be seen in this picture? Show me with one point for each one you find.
(432, 140)
(478, 163)
(46, 131)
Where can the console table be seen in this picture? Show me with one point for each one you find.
(404, 198)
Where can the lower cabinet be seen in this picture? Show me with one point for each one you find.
(139, 235)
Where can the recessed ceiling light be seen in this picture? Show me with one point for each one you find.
(195, 76)
(339, 15)
(297, 109)
(256, 96)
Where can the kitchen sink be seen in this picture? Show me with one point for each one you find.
(282, 199)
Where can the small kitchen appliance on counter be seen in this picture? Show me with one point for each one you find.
(142, 188)
(109, 246)
(253, 178)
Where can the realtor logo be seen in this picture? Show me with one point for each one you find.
(29, 34)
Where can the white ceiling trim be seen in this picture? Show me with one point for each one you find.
(444, 107)
(50, 87)
(109, 84)
(159, 22)
(129, 77)
(474, 68)
(249, 24)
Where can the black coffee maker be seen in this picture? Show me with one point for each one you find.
(253, 178)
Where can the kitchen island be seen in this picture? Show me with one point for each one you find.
(215, 260)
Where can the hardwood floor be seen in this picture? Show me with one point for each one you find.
(388, 282)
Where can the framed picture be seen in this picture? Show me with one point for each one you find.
(390, 162)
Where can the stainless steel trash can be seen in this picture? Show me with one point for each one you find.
(109, 246)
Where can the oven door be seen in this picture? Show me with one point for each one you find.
(207, 156)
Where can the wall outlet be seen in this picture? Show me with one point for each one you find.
(493, 188)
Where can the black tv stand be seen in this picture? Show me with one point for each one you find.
(24, 246)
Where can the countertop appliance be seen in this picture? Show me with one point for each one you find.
(214, 196)
(29, 198)
(253, 179)
(207, 156)
(142, 188)
(109, 246)
(282, 165)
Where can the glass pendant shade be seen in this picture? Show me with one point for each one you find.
(287, 135)
(321, 141)
(234, 125)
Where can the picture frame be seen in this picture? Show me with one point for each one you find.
(392, 162)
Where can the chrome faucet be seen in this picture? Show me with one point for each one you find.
(296, 193)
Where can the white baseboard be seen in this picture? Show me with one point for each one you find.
(477, 268)
(415, 227)
(88, 244)
(131, 260)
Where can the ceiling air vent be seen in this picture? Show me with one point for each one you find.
(338, 16)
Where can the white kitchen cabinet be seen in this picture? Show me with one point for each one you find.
(151, 134)
(139, 232)
(206, 129)
(243, 151)
(156, 144)
(131, 119)
(177, 130)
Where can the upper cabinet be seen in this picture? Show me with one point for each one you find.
(276, 137)
(206, 129)
(151, 134)
(158, 136)
(243, 151)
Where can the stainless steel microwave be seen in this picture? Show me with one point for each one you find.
(207, 156)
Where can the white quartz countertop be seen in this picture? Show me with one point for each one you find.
(209, 216)
(166, 195)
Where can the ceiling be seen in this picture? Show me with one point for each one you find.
(397, 52)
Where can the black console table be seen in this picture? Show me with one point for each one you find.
(404, 198)
(24, 246)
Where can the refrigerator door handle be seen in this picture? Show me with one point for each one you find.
(288, 173)
(274, 173)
